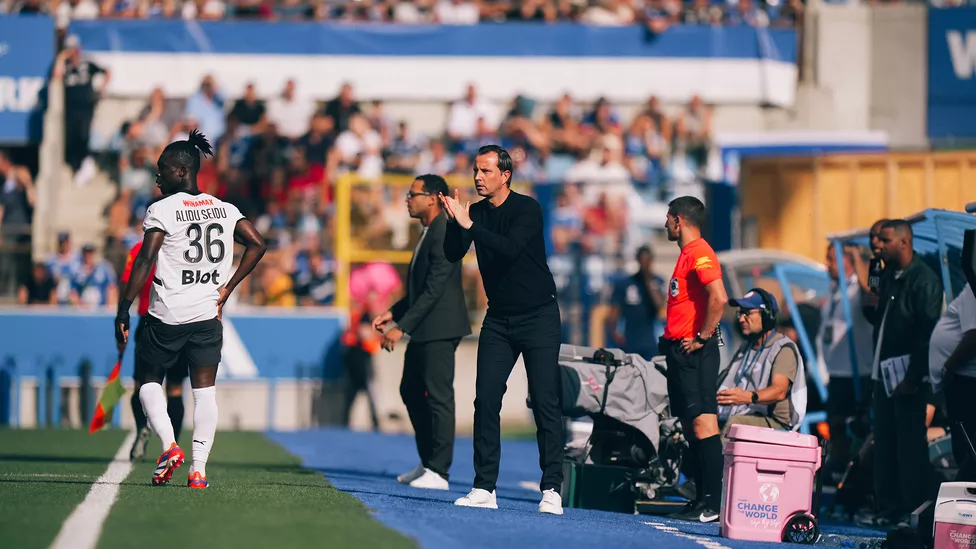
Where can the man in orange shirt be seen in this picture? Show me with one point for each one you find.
(696, 300)
(174, 377)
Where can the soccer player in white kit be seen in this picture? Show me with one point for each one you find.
(190, 237)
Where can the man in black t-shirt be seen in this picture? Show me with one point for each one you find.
(318, 141)
(80, 98)
(248, 110)
(342, 108)
(38, 289)
(16, 213)
(522, 319)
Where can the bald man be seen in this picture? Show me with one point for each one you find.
(909, 305)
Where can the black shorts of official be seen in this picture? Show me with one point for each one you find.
(692, 378)
(174, 350)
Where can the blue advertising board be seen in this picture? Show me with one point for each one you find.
(26, 54)
(739, 64)
(951, 105)
(260, 344)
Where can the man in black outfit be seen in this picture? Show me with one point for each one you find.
(910, 300)
(522, 319)
(80, 99)
(434, 314)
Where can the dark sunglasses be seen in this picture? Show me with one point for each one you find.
(411, 194)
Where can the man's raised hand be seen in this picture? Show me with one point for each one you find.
(445, 201)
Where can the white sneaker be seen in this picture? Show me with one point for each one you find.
(407, 478)
(431, 481)
(551, 503)
(86, 171)
(478, 498)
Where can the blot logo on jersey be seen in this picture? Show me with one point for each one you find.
(673, 287)
(200, 277)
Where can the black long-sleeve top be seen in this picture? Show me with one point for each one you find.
(511, 250)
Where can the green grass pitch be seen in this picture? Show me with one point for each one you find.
(259, 496)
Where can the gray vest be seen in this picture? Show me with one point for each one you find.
(757, 374)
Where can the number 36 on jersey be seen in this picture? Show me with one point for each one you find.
(196, 257)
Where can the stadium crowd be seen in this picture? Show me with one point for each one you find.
(657, 15)
(279, 158)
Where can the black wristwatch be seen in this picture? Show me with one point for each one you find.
(755, 397)
(700, 339)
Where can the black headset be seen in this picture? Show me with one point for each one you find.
(767, 313)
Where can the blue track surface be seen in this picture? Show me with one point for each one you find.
(366, 465)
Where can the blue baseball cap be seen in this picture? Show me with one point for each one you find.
(754, 300)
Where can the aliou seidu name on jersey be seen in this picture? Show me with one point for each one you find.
(196, 257)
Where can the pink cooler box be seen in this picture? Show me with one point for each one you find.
(955, 516)
(768, 485)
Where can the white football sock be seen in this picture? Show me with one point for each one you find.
(153, 401)
(204, 426)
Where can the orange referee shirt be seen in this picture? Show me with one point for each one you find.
(147, 289)
(687, 298)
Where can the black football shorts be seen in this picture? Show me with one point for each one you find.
(174, 350)
(692, 379)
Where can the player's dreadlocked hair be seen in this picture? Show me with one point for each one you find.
(184, 153)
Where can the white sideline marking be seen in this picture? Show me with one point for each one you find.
(700, 540)
(83, 527)
(42, 475)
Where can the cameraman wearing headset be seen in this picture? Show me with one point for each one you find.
(765, 384)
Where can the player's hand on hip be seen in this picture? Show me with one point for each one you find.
(224, 294)
(690, 345)
(382, 320)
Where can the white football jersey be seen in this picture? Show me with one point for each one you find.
(196, 257)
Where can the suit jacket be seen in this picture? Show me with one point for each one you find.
(434, 307)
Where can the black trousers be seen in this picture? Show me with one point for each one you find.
(536, 336)
(427, 390)
(77, 133)
(359, 377)
(902, 471)
(960, 407)
(841, 407)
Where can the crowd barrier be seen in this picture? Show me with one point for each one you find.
(46, 349)
(281, 370)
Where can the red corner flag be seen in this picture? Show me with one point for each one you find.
(111, 395)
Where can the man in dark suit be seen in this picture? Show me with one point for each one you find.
(434, 314)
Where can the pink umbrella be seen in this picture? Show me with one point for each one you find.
(377, 277)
